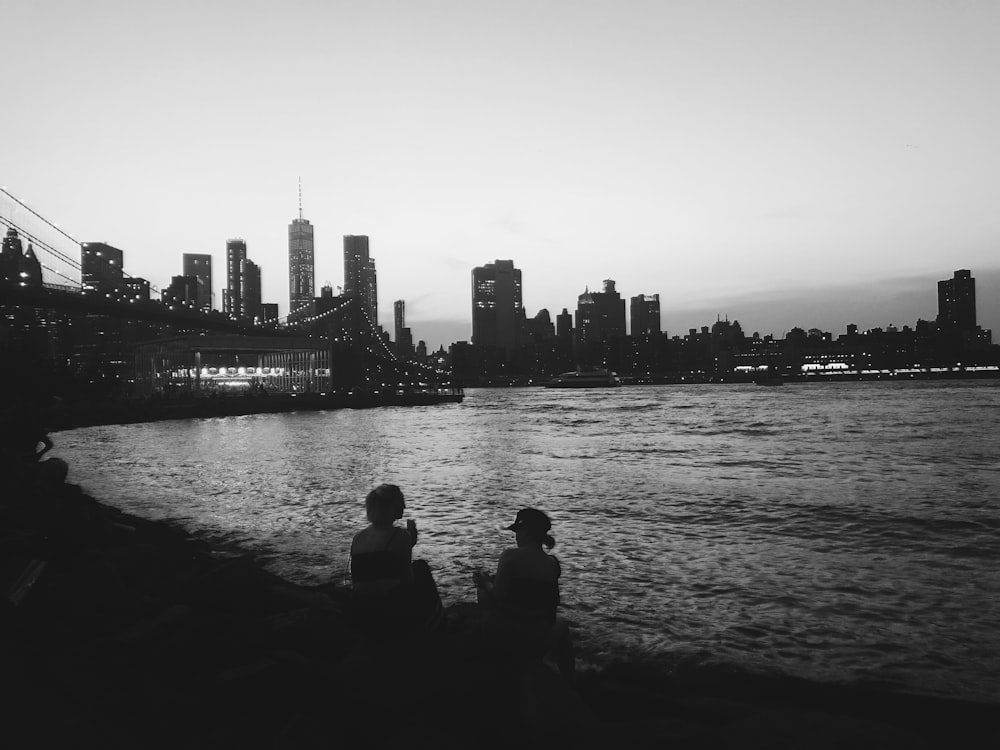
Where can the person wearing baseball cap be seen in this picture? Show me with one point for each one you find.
(519, 602)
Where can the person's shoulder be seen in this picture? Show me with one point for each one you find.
(358, 541)
(401, 539)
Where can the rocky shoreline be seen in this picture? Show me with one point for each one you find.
(119, 632)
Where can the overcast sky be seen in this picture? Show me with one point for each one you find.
(779, 163)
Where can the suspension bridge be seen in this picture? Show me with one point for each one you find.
(333, 347)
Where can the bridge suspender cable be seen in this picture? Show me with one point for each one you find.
(35, 213)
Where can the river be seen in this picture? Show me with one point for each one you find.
(843, 532)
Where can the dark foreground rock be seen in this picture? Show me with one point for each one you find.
(117, 632)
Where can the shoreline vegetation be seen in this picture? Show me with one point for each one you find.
(121, 632)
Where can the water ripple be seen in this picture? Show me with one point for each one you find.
(844, 531)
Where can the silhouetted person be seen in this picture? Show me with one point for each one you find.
(393, 593)
(519, 602)
(381, 554)
(21, 436)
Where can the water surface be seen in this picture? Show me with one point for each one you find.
(842, 531)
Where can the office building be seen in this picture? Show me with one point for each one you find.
(182, 292)
(600, 315)
(359, 275)
(564, 324)
(301, 265)
(269, 312)
(101, 270)
(232, 295)
(539, 328)
(251, 310)
(398, 317)
(645, 314)
(402, 334)
(497, 310)
(199, 265)
(957, 302)
(136, 289)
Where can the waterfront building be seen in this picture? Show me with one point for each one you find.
(101, 270)
(301, 265)
(359, 275)
(957, 302)
(600, 315)
(645, 314)
(232, 295)
(497, 310)
(199, 265)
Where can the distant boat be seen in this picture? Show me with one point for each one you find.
(772, 377)
(585, 379)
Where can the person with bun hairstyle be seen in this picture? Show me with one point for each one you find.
(392, 593)
(519, 602)
(382, 553)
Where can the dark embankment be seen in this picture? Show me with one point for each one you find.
(123, 633)
(61, 416)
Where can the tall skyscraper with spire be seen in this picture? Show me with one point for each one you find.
(359, 274)
(301, 265)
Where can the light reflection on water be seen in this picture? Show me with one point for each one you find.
(841, 531)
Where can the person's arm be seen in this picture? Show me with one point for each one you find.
(501, 581)
(46, 444)
(411, 528)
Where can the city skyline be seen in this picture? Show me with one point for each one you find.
(778, 164)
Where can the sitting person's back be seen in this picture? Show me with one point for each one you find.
(519, 603)
(526, 585)
(382, 553)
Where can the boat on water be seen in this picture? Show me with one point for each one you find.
(771, 377)
(585, 379)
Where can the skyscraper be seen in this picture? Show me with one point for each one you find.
(101, 270)
(497, 310)
(645, 314)
(402, 334)
(301, 264)
(957, 301)
(359, 274)
(600, 315)
(564, 324)
(398, 317)
(199, 265)
(251, 309)
(232, 295)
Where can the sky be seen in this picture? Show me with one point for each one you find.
(777, 163)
